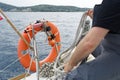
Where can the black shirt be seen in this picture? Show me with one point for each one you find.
(107, 15)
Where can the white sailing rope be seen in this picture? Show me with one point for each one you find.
(32, 55)
(54, 71)
(82, 30)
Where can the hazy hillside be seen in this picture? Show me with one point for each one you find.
(6, 7)
(41, 8)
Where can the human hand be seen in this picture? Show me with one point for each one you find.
(68, 67)
(90, 13)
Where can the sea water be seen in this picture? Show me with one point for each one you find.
(67, 23)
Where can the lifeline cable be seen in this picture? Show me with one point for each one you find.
(11, 64)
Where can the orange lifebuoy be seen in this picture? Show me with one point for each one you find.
(53, 38)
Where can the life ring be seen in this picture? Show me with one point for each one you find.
(53, 38)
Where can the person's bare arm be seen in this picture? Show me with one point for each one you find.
(86, 46)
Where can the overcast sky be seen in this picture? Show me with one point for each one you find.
(78, 3)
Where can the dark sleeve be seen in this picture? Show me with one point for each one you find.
(107, 15)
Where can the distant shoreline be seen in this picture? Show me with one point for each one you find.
(41, 8)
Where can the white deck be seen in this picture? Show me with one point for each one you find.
(33, 77)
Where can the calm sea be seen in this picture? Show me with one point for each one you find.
(67, 23)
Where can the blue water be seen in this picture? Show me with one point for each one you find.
(67, 23)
